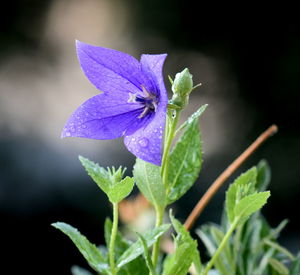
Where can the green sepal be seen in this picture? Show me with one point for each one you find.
(149, 181)
(185, 159)
(89, 251)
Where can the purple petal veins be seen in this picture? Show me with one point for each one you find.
(133, 103)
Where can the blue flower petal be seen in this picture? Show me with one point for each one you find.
(104, 117)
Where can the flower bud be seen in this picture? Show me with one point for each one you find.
(183, 83)
(182, 87)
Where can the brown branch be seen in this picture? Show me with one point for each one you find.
(225, 175)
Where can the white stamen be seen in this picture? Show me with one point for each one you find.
(145, 111)
(132, 98)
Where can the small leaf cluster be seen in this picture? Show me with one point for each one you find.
(110, 181)
(253, 248)
(128, 254)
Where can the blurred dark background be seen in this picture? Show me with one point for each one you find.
(247, 59)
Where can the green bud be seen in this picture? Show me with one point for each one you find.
(183, 83)
(182, 87)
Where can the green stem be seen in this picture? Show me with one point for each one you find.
(113, 235)
(171, 124)
(236, 247)
(169, 136)
(221, 246)
(159, 221)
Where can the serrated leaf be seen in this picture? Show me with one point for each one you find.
(263, 175)
(180, 262)
(89, 251)
(77, 270)
(148, 179)
(97, 173)
(185, 245)
(120, 190)
(232, 195)
(194, 116)
(136, 249)
(250, 204)
(185, 159)
(136, 267)
(116, 191)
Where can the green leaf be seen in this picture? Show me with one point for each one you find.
(295, 269)
(135, 267)
(246, 180)
(278, 266)
(136, 249)
(194, 116)
(250, 204)
(89, 251)
(120, 190)
(77, 270)
(180, 262)
(226, 256)
(263, 175)
(110, 182)
(274, 234)
(97, 173)
(280, 249)
(147, 255)
(185, 254)
(211, 245)
(148, 179)
(185, 159)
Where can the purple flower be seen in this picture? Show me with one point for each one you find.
(133, 103)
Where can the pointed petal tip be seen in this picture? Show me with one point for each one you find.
(79, 44)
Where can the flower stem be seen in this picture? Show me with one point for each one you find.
(172, 122)
(113, 239)
(221, 246)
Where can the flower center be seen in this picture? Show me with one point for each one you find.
(148, 100)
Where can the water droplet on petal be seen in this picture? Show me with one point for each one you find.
(143, 142)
